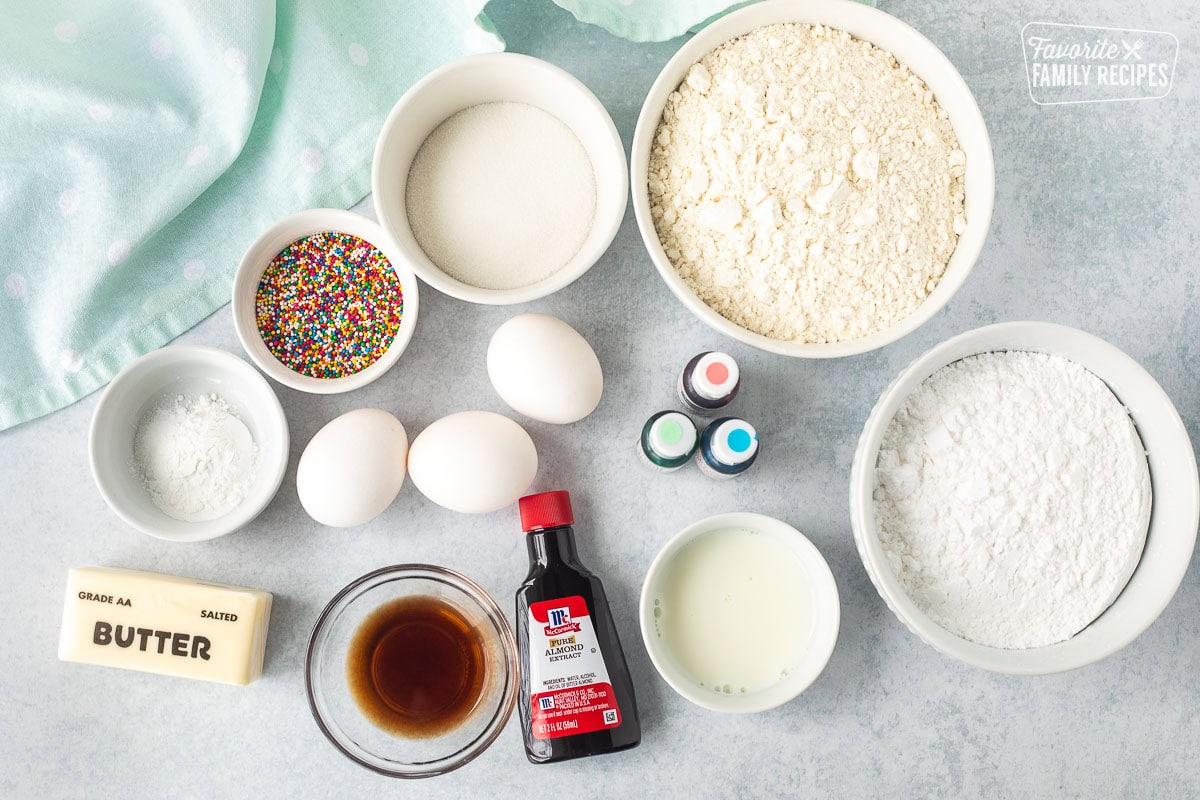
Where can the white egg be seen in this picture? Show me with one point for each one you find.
(473, 462)
(353, 468)
(544, 369)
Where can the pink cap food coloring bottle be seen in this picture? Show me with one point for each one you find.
(709, 382)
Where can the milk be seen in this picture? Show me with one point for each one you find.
(735, 609)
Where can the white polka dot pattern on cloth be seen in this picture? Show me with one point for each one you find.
(193, 270)
(161, 47)
(236, 60)
(15, 286)
(198, 155)
(311, 160)
(70, 360)
(118, 251)
(66, 31)
(99, 112)
(152, 132)
(68, 202)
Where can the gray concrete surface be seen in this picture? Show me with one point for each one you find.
(1095, 226)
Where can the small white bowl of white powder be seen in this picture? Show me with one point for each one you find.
(1024, 497)
(188, 443)
(500, 177)
(812, 177)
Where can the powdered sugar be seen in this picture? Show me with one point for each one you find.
(1012, 498)
(806, 185)
(195, 457)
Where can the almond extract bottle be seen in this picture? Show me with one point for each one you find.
(576, 694)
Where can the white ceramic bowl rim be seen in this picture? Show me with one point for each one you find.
(1174, 519)
(267, 415)
(404, 125)
(911, 49)
(258, 257)
(826, 616)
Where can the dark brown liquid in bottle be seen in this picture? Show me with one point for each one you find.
(416, 667)
(554, 572)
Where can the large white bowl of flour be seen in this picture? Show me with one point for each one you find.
(858, 283)
(1173, 515)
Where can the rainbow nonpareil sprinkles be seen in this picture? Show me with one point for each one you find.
(329, 305)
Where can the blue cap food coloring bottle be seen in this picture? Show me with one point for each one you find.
(668, 440)
(728, 447)
(709, 382)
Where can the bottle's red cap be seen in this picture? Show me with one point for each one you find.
(545, 510)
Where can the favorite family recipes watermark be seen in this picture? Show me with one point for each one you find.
(1090, 64)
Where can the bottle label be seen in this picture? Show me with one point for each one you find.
(707, 469)
(641, 451)
(568, 682)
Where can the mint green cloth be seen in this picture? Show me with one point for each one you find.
(653, 20)
(649, 20)
(144, 144)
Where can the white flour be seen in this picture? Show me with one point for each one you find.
(501, 195)
(806, 185)
(1012, 498)
(196, 458)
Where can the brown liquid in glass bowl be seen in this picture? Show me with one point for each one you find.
(416, 667)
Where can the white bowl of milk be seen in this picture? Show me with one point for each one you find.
(739, 613)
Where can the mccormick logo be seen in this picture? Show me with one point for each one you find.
(560, 622)
(1090, 64)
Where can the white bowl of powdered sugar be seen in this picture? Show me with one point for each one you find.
(188, 443)
(500, 177)
(1025, 498)
(812, 177)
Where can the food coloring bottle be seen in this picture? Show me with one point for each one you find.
(576, 693)
(668, 440)
(709, 382)
(728, 447)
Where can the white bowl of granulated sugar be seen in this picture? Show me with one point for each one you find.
(188, 443)
(500, 177)
(812, 177)
(1025, 498)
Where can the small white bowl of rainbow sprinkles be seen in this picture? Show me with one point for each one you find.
(323, 303)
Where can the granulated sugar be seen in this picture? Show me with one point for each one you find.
(501, 195)
(1012, 498)
(805, 185)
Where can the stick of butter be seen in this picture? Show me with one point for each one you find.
(163, 624)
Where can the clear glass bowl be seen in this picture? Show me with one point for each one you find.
(339, 716)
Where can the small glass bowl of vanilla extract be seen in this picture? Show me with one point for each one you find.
(412, 670)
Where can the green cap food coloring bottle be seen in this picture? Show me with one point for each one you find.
(668, 440)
